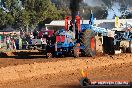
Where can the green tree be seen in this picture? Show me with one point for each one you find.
(2, 18)
(39, 10)
(9, 12)
(28, 14)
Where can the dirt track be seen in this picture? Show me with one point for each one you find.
(62, 73)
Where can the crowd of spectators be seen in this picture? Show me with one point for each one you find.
(18, 41)
(13, 41)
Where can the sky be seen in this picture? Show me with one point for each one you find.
(94, 3)
(115, 8)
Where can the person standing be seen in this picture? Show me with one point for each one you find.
(14, 44)
(31, 36)
(20, 43)
(8, 42)
(43, 42)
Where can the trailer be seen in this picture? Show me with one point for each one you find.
(43, 42)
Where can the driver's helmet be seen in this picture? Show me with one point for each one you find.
(71, 23)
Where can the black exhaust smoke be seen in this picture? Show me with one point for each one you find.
(74, 7)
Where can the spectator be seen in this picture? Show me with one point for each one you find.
(31, 35)
(14, 44)
(8, 42)
(20, 43)
(35, 34)
(43, 42)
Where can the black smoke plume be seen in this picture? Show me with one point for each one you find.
(74, 7)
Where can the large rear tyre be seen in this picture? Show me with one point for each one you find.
(89, 41)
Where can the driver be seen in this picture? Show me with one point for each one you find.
(71, 26)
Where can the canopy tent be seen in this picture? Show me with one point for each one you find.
(9, 30)
(99, 23)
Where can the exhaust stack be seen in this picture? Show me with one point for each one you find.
(74, 7)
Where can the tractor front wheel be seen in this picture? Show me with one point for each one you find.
(76, 50)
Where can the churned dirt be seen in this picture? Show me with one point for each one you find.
(63, 72)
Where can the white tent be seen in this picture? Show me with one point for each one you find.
(99, 23)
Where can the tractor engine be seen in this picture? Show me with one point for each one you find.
(64, 42)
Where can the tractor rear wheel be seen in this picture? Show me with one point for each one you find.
(89, 41)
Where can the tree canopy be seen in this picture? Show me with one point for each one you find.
(26, 13)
